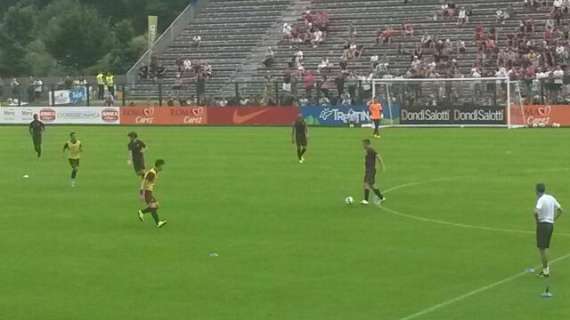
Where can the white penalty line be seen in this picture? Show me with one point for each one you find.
(476, 291)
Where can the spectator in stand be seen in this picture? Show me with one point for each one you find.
(501, 16)
(109, 100)
(556, 12)
(324, 65)
(426, 40)
(309, 83)
(444, 9)
(461, 49)
(462, 17)
(408, 29)
(269, 57)
(561, 54)
(385, 36)
(197, 41)
(222, 102)
(143, 75)
(316, 38)
(186, 65)
(38, 87)
(287, 31)
(345, 99)
(15, 88)
(298, 57)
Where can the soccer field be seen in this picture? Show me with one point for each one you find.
(252, 234)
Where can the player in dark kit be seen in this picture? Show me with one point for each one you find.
(370, 172)
(36, 130)
(136, 154)
(299, 136)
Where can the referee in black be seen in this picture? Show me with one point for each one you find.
(546, 212)
(36, 131)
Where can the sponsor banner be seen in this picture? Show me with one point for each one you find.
(75, 96)
(345, 115)
(445, 115)
(267, 116)
(542, 115)
(61, 115)
(164, 116)
(60, 97)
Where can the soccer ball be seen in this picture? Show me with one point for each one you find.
(349, 200)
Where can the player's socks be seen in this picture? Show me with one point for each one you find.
(154, 214)
(146, 210)
(366, 194)
(378, 194)
(73, 174)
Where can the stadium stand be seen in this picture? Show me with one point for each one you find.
(236, 34)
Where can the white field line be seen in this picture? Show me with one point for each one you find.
(449, 223)
(461, 225)
(474, 292)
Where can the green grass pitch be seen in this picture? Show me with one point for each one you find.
(288, 247)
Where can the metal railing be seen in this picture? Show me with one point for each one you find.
(266, 93)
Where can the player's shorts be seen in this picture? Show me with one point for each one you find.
(74, 163)
(370, 177)
(37, 139)
(544, 232)
(138, 166)
(149, 197)
(301, 141)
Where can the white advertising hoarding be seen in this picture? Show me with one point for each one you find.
(61, 115)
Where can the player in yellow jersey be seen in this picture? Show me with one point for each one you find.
(74, 149)
(147, 189)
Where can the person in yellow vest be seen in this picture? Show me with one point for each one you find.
(375, 108)
(100, 86)
(110, 81)
(147, 189)
(74, 149)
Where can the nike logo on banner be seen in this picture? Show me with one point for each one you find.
(239, 119)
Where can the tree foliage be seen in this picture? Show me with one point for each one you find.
(52, 37)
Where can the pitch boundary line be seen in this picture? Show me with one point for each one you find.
(449, 223)
(476, 291)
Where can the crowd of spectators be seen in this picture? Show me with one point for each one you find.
(313, 30)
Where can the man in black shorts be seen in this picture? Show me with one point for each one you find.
(136, 154)
(546, 212)
(36, 131)
(299, 136)
(370, 159)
